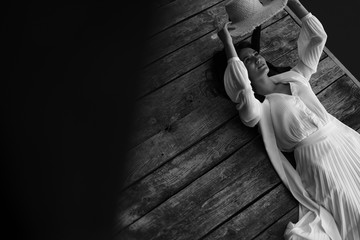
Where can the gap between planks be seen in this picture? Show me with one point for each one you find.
(163, 23)
(159, 124)
(336, 89)
(241, 210)
(336, 81)
(324, 60)
(173, 76)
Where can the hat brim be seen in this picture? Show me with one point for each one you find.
(270, 9)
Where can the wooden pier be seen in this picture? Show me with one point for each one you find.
(194, 170)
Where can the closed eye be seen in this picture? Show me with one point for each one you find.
(246, 60)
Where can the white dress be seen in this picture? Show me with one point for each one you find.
(327, 178)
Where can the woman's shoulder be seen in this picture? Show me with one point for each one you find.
(286, 77)
(290, 76)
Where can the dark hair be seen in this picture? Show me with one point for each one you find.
(219, 67)
(220, 64)
(243, 44)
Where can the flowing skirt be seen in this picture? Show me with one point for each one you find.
(329, 167)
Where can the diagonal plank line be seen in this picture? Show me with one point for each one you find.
(212, 167)
(230, 154)
(270, 226)
(236, 41)
(181, 19)
(241, 210)
(338, 79)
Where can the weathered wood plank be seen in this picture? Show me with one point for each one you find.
(133, 200)
(342, 100)
(155, 151)
(194, 54)
(333, 98)
(327, 69)
(183, 33)
(279, 38)
(176, 11)
(181, 171)
(347, 72)
(174, 206)
(257, 217)
(173, 101)
(291, 58)
(210, 199)
(178, 136)
(276, 231)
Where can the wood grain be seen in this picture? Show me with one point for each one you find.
(134, 196)
(183, 33)
(142, 197)
(197, 52)
(342, 100)
(195, 172)
(220, 211)
(276, 231)
(178, 98)
(211, 198)
(291, 58)
(176, 11)
(327, 71)
(175, 136)
(257, 217)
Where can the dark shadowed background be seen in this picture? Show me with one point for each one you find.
(68, 75)
(341, 20)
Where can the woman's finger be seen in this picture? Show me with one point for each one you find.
(231, 27)
(226, 25)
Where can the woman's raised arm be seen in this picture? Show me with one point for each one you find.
(296, 6)
(237, 84)
(227, 41)
(311, 41)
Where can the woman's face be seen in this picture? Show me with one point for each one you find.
(254, 63)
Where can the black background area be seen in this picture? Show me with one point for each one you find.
(341, 21)
(67, 87)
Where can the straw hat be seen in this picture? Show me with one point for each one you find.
(246, 15)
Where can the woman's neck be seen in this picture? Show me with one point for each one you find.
(264, 86)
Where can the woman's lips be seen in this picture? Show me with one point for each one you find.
(261, 65)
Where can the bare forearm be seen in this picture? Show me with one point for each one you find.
(227, 41)
(296, 6)
(229, 49)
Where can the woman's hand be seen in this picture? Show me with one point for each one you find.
(226, 38)
(224, 35)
